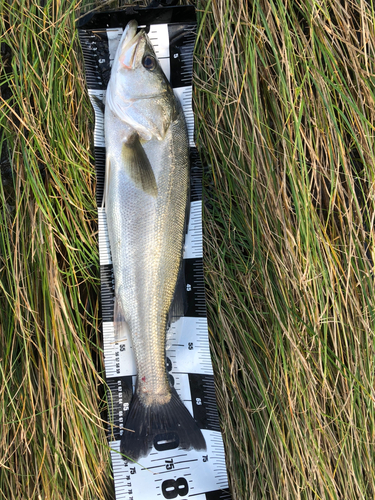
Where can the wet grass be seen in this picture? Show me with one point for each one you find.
(284, 102)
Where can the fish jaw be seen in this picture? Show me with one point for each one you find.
(126, 40)
(131, 50)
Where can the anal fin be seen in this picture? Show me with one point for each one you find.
(121, 327)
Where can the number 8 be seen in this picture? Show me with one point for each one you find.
(171, 488)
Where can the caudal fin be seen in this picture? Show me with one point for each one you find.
(166, 427)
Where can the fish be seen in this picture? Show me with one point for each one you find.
(145, 200)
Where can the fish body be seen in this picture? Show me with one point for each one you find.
(145, 198)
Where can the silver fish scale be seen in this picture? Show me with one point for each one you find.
(146, 238)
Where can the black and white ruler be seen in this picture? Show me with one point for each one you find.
(166, 473)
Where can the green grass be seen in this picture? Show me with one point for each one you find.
(285, 105)
(52, 442)
(285, 112)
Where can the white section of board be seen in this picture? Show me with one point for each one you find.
(114, 37)
(193, 240)
(95, 97)
(119, 358)
(104, 247)
(188, 346)
(185, 95)
(166, 67)
(191, 473)
(159, 38)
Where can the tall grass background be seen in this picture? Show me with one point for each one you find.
(284, 104)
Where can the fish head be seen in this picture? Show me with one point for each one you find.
(139, 92)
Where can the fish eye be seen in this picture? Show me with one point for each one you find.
(149, 62)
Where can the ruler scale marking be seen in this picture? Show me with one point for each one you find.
(204, 475)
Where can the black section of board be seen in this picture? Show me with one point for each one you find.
(96, 57)
(117, 19)
(100, 174)
(121, 392)
(219, 495)
(181, 47)
(203, 397)
(195, 292)
(195, 175)
(107, 292)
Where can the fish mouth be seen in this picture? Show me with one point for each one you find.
(129, 44)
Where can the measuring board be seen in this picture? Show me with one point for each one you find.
(166, 472)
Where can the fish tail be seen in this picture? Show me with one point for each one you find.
(162, 426)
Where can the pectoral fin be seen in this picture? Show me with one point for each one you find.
(138, 166)
(120, 325)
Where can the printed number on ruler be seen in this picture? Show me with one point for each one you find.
(118, 353)
(175, 474)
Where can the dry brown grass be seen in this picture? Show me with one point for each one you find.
(52, 442)
(285, 106)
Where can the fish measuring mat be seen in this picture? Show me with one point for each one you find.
(167, 472)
